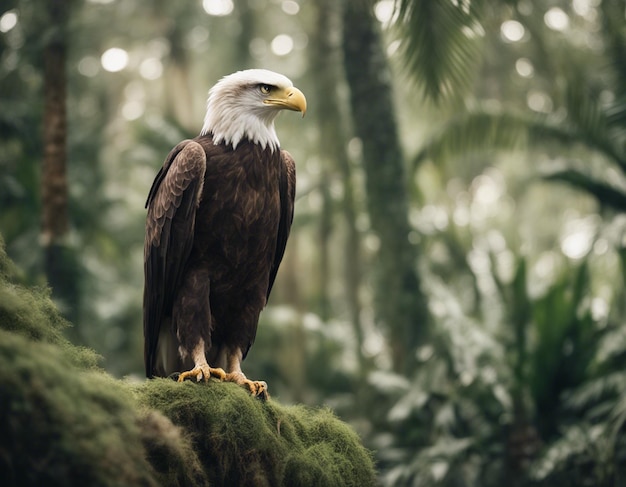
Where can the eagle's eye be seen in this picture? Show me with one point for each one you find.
(265, 89)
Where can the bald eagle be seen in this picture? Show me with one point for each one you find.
(219, 214)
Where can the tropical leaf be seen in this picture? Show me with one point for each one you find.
(588, 120)
(616, 114)
(613, 29)
(595, 391)
(487, 129)
(483, 129)
(606, 194)
(566, 340)
(561, 462)
(441, 44)
(519, 307)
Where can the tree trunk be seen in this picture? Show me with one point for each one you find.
(179, 101)
(58, 258)
(400, 304)
(325, 231)
(325, 64)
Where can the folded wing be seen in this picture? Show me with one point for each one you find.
(170, 224)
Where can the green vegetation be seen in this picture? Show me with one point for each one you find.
(454, 282)
(244, 441)
(66, 422)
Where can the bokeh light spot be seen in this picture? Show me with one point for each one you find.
(384, 11)
(151, 68)
(282, 44)
(524, 68)
(8, 21)
(512, 31)
(218, 8)
(539, 101)
(114, 59)
(89, 66)
(556, 19)
(290, 7)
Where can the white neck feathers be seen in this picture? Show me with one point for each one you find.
(235, 113)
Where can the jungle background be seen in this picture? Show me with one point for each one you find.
(453, 286)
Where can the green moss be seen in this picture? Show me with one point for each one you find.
(32, 314)
(244, 441)
(62, 426)
(64, 422)
(170, 452)
(8, 270)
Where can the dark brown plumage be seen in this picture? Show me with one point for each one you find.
(216, 230)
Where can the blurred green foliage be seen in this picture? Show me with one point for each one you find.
(512, 120)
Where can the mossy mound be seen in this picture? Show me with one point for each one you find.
(62, 426)
(244, 441)
(65, 422)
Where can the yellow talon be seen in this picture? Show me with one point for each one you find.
(203, 372)
(256, 388)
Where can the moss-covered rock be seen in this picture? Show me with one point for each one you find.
(65, 422)
(62, 426)
(241, 440)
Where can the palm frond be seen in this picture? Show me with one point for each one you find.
(616, 113)
(615, 38)
(616, 118)
(589, 121)
(486, 129)
(606, 194)
(441, 44)
(470, 133)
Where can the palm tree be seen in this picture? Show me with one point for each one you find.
(442, 47)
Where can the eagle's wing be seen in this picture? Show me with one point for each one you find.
(287, 188)
(172, 204)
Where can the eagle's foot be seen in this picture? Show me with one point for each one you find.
(203, 371)
(257, 388)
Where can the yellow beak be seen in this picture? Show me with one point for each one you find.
(289, 98)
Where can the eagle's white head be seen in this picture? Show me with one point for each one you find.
(245, 104)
